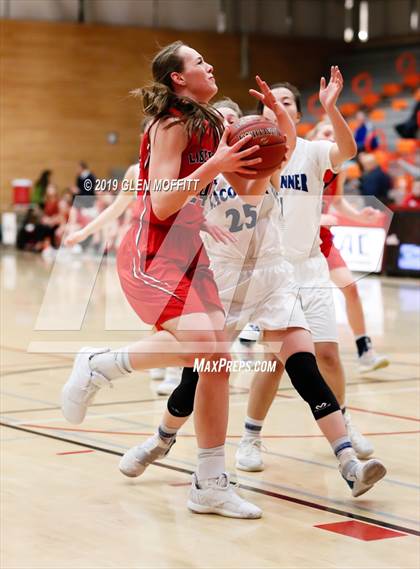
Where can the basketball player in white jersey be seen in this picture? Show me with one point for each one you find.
(300, 184)
(260, 289)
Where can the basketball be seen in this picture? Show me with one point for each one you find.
(267, 135)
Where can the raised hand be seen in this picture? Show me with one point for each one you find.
(265, 95)
(74, 238)
(328, 94)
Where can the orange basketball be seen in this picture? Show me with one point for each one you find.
(267, 135)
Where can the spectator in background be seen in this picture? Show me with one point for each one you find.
(374, 181)
(410, 128)
(85, 182)
(364, 134)
(40, 187)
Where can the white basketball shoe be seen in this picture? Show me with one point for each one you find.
(362, 476)
(248, 455)
(137, 459)
(217, 496)
(172, 380)
(362, 447)
(157, 373)
(81, 387)
(371, 361)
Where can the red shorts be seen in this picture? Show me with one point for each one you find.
(330, 251)
(165, 291)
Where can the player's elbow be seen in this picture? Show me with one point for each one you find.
(352, 150)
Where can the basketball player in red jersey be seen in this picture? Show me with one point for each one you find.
(340, 274)
(163, 267)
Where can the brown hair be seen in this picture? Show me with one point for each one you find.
(160, 97)
(226, 102)
(285, 85)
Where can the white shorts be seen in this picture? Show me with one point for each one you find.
(316, 297)
(265, 295)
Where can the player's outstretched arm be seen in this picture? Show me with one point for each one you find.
(344, 147)
(112, 212)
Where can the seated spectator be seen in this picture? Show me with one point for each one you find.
(40, 187)
(364, 135)
(374, 181)
(33, 235)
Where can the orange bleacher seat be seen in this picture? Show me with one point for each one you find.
(406, 145)
(348, 109)
(412, 80)
(382, 157)
(391, 89)
(399, 104)
(377, 115)
(353, 124)
(370, 100)
(353, 171)
(303, 128)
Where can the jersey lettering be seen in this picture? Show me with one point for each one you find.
(294, 182)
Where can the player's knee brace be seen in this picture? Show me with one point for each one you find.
(311, 386)
(181, 401)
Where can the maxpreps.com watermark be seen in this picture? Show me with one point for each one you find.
(201, 365)
(164, 185)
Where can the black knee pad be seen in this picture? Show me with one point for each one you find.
(311, 386)
(181, 401)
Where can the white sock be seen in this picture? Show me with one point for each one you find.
(252, 428)
(211, 462)
(166, 434)
(111, 364)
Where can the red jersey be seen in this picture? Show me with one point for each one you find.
(162, 264)
(184, 226)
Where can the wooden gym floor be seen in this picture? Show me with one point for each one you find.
(65, 504)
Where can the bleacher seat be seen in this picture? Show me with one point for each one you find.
(370, 100)
(303, 128)
(377, 115)
(391, 89)
(353, 171)
(406, 145)
(412, 80)
(399, 104)
(349, 109)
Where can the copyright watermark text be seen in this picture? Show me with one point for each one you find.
(164, 185)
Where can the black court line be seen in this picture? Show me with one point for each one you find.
(270, 493)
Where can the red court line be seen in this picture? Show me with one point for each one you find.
(361, 530)
(149, 434)
(75, 452)
(384, 414)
